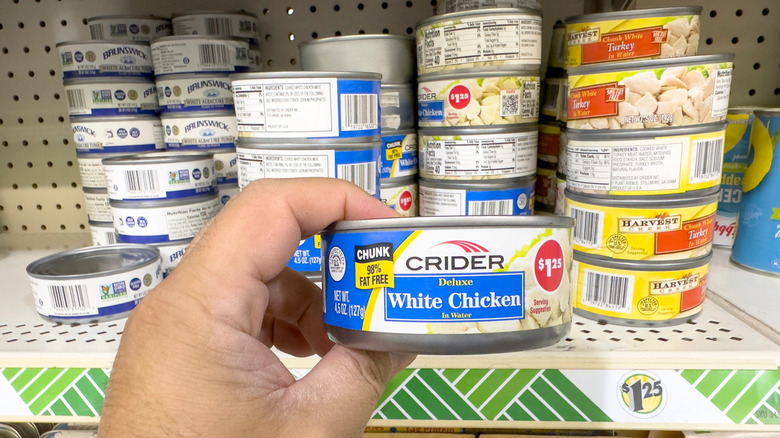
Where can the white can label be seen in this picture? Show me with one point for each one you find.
(105, 60)
(162, 224)
(725, 230)
(195, 133)
(161, 180)
(479, 156)
(202, 93)
(98, 209)
(200, 55)
(171, 256)
(720, 95)
(91, 171)
(131, 28)
(120, 135)
(227, 192)
(401, 198)
(233, 25)
(111, 99)
(102, 236)
(491, 39)
(226, 167)
(511, 201)
(94, 297)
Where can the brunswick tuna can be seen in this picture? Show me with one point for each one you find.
(757, 244)
(392, 56)
(239, 24)
(478, 98)
(478, 153)
(400, 194)
(226, 166)
(643, 228)
(308, 257)
(739, 123)
(103, 233)
(502, 39)
(98, 208)
(648, 294)
(685, 159)
(128, 27)
(399, 154)
(633, 34)
(199, 54)
(307, 105)
(454, 285)
(355, 162)
(656, 93)
(227, 192)
(171, 254)
(397, 106)
(91, 169)
(506, 197)
(113, 135)
(194, 92)
(106, 58)
(162, 221)
(100, 97)
(95, 283)
(447, 6)
(161, 175)
(202, 130)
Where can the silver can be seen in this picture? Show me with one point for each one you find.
(194, 92)
(199, 54)
(239, 24)
(203, 130)
(400, 194)
(98, 208)
(113, 135)
(398, 106)
(95, 283)
(506, 197)
(129, 27)
(101, 97)
(447, 6)
(391, 55)
(105, 58)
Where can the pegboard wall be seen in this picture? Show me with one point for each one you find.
(40, 191)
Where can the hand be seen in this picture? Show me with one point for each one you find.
(194, 358)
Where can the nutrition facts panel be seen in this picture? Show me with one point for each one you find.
(480, 157)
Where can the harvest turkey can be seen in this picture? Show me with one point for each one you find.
(105, 58)
(657, 93)
(643, 228)
(505, 197)
(502, 39)
(648, 294)
(757, 244)
(634, 34)
(128, 27)
(400, 194)
(450, 285)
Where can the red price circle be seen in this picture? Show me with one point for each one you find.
(549, 266)
(405, 201)
(460, 97)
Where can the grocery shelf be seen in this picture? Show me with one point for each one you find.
(718, 372)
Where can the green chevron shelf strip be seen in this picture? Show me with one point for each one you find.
(64, 392)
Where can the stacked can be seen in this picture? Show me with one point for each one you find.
(308, 124)
(161, 199)
(447, 6)
(478, 106)
(644, 146)
(393, 57)
(112, 102)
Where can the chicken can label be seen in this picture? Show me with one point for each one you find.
(478, 101)
(649, 166)
(478, 156)
(111, 99)
(171, 256)
(103, 234)
(157, 181)
(425, 282)
(635, 38)
(194, 93)
(129, 28)
(649, 233)
(226, 166)
(162, 224)
(199, 55)
(360, 166)
(105, 59)
(98, 208)
(510, 201)
(117, 135)
(192, 132)
(307, 107)
(400, 197)
(479, 40)
(640, 295)
(735, 158)
(649, 98)
(91, 172)
(308, 256)
(398, 155)
(105, 295)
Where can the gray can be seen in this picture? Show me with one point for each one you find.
(95, 283)
(398, 106)
(128, 27)
(506, 197)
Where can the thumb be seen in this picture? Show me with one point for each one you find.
(341, 392)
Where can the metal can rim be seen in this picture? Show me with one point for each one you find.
(397, 132)
(369, 76)
(532, 71)
(477, 12)
(744, 109)
(108, 41)
(121, 16)
(450, 222)
(643, 265)
(636, 13)
(157, 158)
(95, 190)
(83, 119)
(373, 36)
(768, 112)
(167, 38)
(261, 143)
(687, 199)
(41, 267)
(107, 80)
(479, 184)
(213, 12)
(196, 114)
(646, 64)
(632, 134)
(172, 242)
(406, 180)
(516, 128)
(164, 203)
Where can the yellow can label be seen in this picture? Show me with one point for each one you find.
(660, 233)
(637, 38)
(639, 295)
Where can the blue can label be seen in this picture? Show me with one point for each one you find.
(430, 112)
(308, 257)
(399, 155)
(514, 201)
(735, 156)
(431, 282)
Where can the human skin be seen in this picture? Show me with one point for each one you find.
(194, 359)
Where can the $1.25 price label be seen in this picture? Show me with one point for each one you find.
(642, 394)
(549, 266)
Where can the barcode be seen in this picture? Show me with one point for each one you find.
(140, 181)
(588, 227)
(109, 237)
(76, 99)
(361, 174)
(213, 55)
(96, 31)
(72, 297)
(706, 160)
(510, 105)
(219, 26)
(501, 207)
(608, 291)
(359, 111)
